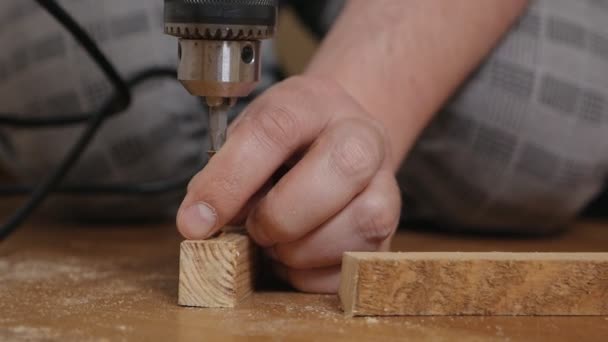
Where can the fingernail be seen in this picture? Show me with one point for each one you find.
(199, 220)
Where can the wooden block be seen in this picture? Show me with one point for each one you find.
(417, 284)
(217, 273)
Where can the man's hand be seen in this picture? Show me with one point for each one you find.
(339, 193)
(400, 60)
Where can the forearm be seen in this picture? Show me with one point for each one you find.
(403, 59)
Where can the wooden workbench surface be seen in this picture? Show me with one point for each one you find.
(75, 282)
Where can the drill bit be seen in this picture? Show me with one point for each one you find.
(220, 51)
(219, 108)
(218, 124)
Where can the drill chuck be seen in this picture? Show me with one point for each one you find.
(220, 43)
(221, 19)
(220, 50)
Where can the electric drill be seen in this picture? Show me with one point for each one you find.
(220, 51)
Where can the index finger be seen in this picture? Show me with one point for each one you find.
(271, 130)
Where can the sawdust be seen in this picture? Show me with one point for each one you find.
(372, 320)
(27, 333)
(41, 333)
(499, 331)
(35, 270)
(74, 301)
(122, 327)
(83, 285)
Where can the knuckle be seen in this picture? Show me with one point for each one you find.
(227, 187)
(314, 281)
(277, 127)
(357, 155)
(315, 86)
(289, 258)
(267, 226)
(301, 285)
(298, 280)
(375, 218)
(304, 85)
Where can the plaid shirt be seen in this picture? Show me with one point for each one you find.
(523, 143)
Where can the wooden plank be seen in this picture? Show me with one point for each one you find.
(420, 284)
(217, 273)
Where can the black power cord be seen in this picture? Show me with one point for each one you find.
(120, 101)
(141, 189)
(32, 122)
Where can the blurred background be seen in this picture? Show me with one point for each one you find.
(116, 155)
(35, 152)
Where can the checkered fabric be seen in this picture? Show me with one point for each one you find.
(524, 143)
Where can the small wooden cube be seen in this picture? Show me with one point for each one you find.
(217, 273)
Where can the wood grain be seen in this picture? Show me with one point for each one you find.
(79, 282)
(386, 284)
(217, 273)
